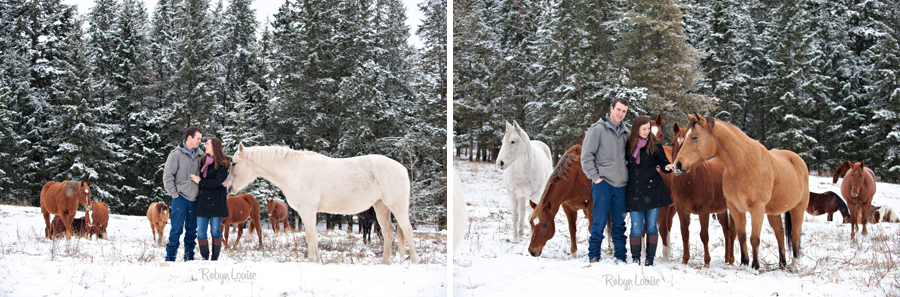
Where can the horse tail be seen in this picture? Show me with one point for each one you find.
(788, 228)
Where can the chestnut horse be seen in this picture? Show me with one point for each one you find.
(827, 203)
(278, 212)
(569, 188)
(62, 199)
(755, 180)
(79, 227)
(241, 208)
(858, 187)
(158, 214)
(99, 218)
(698, 192)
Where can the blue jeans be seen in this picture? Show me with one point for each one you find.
(214, 222)
(182, 220)
(642, 219)
(608, 201)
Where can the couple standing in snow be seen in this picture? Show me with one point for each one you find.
(196, 184)
(622, 165)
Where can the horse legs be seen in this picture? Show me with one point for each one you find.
(240, 232)
(405, 233)
(309, 224)
(865, 216)
(757, 212)
(49, 231)
(67, 221)
(225, 228)
(740, 228)
(571, 215)
(287, 228)
(685, 218)
(854, 218)
(663, 227)
(704, 237)
(797, 215)
(778, 227)
(728, 232)
(384, 220)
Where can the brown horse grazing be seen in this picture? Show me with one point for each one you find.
(278, 212)
(883, 214)
(366, 220)
(698, 192)
(568, 187)
(858, 187)
(80, 227)
(241, 208)
(827, 203)
(158, 214)
(62, 199)
(755, 180)
(99, 218)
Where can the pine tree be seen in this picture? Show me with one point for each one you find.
(884, 130)
(194, 80)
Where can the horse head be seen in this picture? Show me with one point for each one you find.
(656, 127)
(515, 144)
(243, 171)
(855, 175)
(543, 227)
(84, 190)
(696, 145)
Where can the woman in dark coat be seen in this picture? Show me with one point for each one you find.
(646, 192)
(212, 200)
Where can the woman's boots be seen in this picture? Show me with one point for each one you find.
(204, 248)
(216, 248)
(651, 250)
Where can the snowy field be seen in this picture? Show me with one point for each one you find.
(131, 264)
(488, 264)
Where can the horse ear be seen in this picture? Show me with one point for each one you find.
(532, 204)
(675, 128)
(515, 124)
(241, 147)
(840, 171)
(863, 164)
(659, 121)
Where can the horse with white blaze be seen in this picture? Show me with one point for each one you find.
(314, 183)
(526, 166)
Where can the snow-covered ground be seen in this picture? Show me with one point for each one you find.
(131, 264)
(831, 264)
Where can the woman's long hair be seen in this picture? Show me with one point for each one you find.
(218, 154)
(633, 138)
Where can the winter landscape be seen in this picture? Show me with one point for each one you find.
(130, 263)
(488, 264)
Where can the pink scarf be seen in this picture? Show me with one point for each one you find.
(209, 160)
(641, 143)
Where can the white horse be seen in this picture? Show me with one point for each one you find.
(460, 217)
(526, 166)
(315, 183)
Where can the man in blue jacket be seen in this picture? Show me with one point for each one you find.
(603, 161)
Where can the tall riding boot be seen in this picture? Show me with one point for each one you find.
(636, 250)
(216, 247)
(651, 249)
(204, 248)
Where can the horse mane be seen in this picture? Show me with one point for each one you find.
(841, 204)
(70, 187)
(274, 154)
(160, 207)
(559, 172)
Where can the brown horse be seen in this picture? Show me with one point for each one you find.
(883, 214)
(80, 227)
(827, 203)
(755, 180)
(241, 208)
(698, 192)
(158, 214)
(278, 212)
(99, 218)
(858, 187)
(62, 199)
(569, 188)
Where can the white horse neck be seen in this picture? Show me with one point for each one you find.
(266, 158)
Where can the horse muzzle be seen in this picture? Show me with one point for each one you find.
(854, 193)
(535, 252)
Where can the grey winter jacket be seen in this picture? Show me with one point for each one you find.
(603, 152)
(179, 165)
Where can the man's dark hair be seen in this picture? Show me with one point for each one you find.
(191, 131)
(619, 100)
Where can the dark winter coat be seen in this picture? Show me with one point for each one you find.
(646, 189)
(212, 201)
